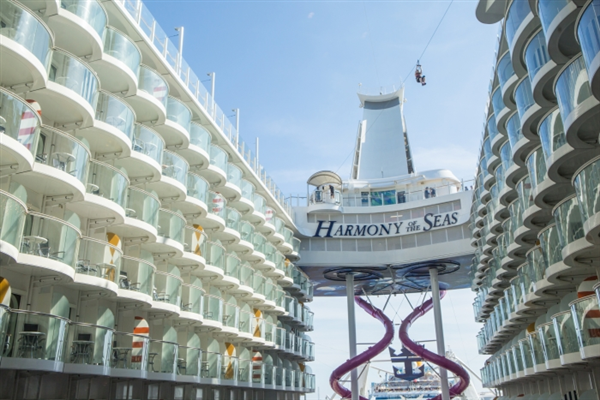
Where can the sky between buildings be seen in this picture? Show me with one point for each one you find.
(293, 69)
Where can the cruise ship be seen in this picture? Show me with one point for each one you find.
(144, 251)
(535, 219)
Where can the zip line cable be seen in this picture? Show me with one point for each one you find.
(431, 38)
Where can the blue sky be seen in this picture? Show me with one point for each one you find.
(293, 68)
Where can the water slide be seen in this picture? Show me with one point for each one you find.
(365, 356)
(421, 351)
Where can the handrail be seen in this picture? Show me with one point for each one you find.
(194, 286)
(23, 101)
(15, 198)
(159, 272)
(91, 325)
(144, 192)
(124, 257)
(20, 311)
(114, 169)
(102, 242)
(55, 219)
(34, 15)
(69, 137)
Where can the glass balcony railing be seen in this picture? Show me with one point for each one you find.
(148, 142)
(130, 351)
(19, 120)
(588, 32)
(505, 69)
(536, 55)
(270, 251)
(175, 166)
(492, 127)
(122, 48)
(536, 165)
(260, 204)
(246, 231)
(586, 316)
(116, 113)
(246, 275)
(179, 113)
(108, 182)
(525, 195)
(232, 265)
(171, 225)
(269, 290)
(513, 128)
(231, 315)
(549, 9)
(189, 361)
(259, 242)
(213, 307)
(167, 287)
(233, 218)
(517, 358)
(506, 156)
(572, 87)
(566, 335)
(13, 212)
(66, 70)
(90, 11)
(279, 297)
(152, 83)
(230, 368)
(524, 97)
(552, 133)
(217, 205)
(487, 151)
(587, 188)
(192, 297)
(246, 319)
(63, 152)
(258, 283)
(137, 275)
(497, 102)
(200, 137)
(99, 259)
(195, 240)
(162, 356)
(569, 224)
(218, 157)
(38, 336)
(515, 17)
(234, 175)
(142, 205)
(197, 187)
(550, 245)
(535, 344)
(211, 365)
(247, 190)
(296, 244)
(215, 254)
(50, 237)
(279, 225)
(22, 26)
(89, 344)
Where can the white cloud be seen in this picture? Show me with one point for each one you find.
(311, 14)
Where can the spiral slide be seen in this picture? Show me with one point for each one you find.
(419, 350)
(371, 352)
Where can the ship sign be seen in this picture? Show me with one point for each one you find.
(409, 372)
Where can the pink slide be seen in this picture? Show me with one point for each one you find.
(422, 352)
(371, 352)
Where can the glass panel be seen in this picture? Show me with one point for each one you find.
(524, 97)
(536, 165)
(519, 9)
(260, 203)
(587, 321)
(21, 26)
(233, 219)
(234, 175)
(564, 328)
(99, 259)
(549, 9)
(108, 182)
(90, 11)
(218, 157)
(551, 247)
(513, 128)
(211, 365)
(130, 351)
(90, 344)
(587, 187)
(246, 231)
(148, 142)
(497, 102)
(197, 187)
(189, 361)
(213, 307)
(572, 87)
(568, 222)
(217, 204)
(247, 190)
(588, 32)
(63, 152)
(179, 113)
(200, 137)
(536, 55)
(525, 196)
(552, 133)
(137, 275)
(171, 225)
(20, 121)
(231, 315)
(492, 127)
(162, 356)
(506, 156)
(167, 288)
(152, 83)
(215, 255)
(115, 113)
(175, 167)
(142, 206)
(50, 237)
(505, 69)
(12, 216)
(69, 72)
(122, 48)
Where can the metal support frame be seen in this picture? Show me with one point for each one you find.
(352, 332)
(439, 329)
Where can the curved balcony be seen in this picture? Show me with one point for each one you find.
(230, 320)
(529, 111)
(78, 26)
(578, 108)
(545, 192)
(257, 217)
(150, 99)
(98, 265)
(245, 204)
(214, 255)
(189, 362)
(213, 311)
(231, 267)
(542, 70)
(91, 355)
(144, 164)
(198, 152)
(519, 144)
(558, 21)
(286, 247)
(496, 139)
(192, 301)
(112, 133)
(61, 166)
(194, 249)
(507, 78)
(20, 132)
(71, 93)
(176, 129)
(170, 233)
(501, 111)
(195, 205)
(13, 211)
(230, 235)
(588, 29)
(232, 188)
(214, 221)
(268, 228)
(586, 316)
(216, 173)
(25, 48)
(490, 160)
(106, 196)
(566, 337)
(518, 28)
(120, 63)
(136, 280)
(173, 181)
(166, 293)
(39, 348)
(141, 215)
(587, 183)
(162, 360)
(130, 361)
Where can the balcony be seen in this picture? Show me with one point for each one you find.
(71, 93)
(217, 213)
(519, 144)
(215, 261)
(162, 360)
(120, 63)
(194, 249)
(198, 152)
(78, 26)
(520, 24)
(558, 20)
(189, 361)
(130, 356)
(136, 279)
(150, 98)
(585, 314)
(507, 79)
(230, 235)
(144, 164)
(20, 132)
(566, 337)
(173, 181)
(89, 349)
(99, 264)
(170, 233)
(529, 111)
(245, 204)
(216, 173)
(588, 30)
(13, 211)
(25, 48)
(211, 366)
(176, 129)
(232, 188)
(230, 281)
(112, 133)
(578, 108)
(244, 247)
(230, 319)
(61, 166)
(213, 311)
(542, 70)
(546, 193)
(166, 294)
(141, 215)
(586, 182)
